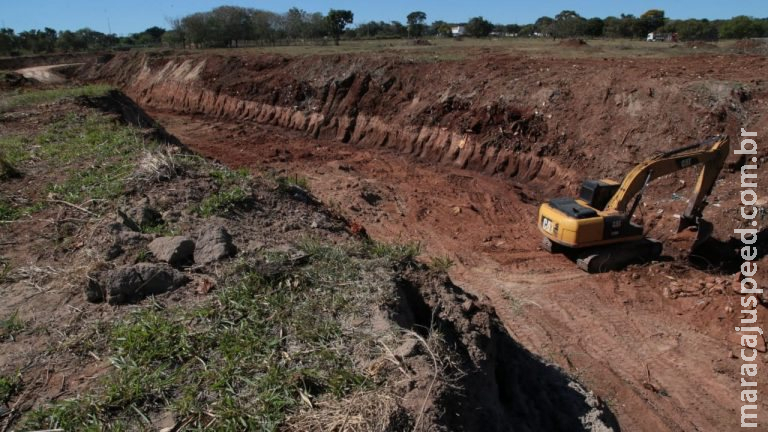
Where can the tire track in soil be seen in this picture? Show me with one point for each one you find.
(620, 337)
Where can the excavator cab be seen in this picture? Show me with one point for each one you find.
(597, 193)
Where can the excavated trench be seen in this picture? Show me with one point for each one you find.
(491, 383)
(458, 154)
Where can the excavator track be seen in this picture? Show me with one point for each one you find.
(617, 257)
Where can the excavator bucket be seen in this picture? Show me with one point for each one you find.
(690, 235)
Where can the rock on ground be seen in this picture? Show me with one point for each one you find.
(129, 284)
(175, 251)
(213, 244)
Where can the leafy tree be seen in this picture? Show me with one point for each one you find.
(396, 28)
(295, 23)
(39, 41)
(623, 27)
(543, 25)
(741, 27)
(693, 29)
(9, 42)
(440, 28)
(512, 29)
(156, 33)
(195, 28)
(416, 22)
(71, 41)
(337, 20)
(568, 24)
(650, 21)
(173, 38)
(527, 30)
(594, 27)
(263, 26)
(478, 27)
(230, 24)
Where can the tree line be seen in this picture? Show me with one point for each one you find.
(231, 26)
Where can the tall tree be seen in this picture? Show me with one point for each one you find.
(650, 21)
(416, 22)
(337, 21)
(479, 27)
(568, 24)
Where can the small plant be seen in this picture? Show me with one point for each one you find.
(295, 181)
(441, 263)
(155, 166)
(7, 170)
(394, 251)
(9, 386)
(11, 326)
(224, 202)
(144, 255)
(8, 211)
(227, 177)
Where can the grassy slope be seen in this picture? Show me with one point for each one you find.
(272, 339)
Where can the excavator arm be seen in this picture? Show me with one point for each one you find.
(713, 158)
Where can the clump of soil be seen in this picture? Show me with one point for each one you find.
(573, 43)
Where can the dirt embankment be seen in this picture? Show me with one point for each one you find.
(545, 122)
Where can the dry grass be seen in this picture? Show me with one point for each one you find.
(448, 49)
(366, 411)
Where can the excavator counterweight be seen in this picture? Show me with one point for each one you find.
(597, 229)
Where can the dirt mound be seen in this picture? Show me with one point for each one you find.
(12, 80)
(573, 43)
(419, 42)
(752, 46)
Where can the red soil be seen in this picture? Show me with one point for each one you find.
(457, 155)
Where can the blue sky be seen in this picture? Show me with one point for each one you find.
(130, 16)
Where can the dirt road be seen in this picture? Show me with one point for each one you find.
(51, 74)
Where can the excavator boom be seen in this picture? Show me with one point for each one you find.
(712, 158)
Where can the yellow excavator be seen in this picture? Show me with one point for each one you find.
(597, 229)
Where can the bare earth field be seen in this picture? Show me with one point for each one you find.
(455, 148)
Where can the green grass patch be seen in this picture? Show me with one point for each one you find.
(234, 192)
(394, 251)
(110, 150)
(260, 348)
(224, 202)
(36, 97)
